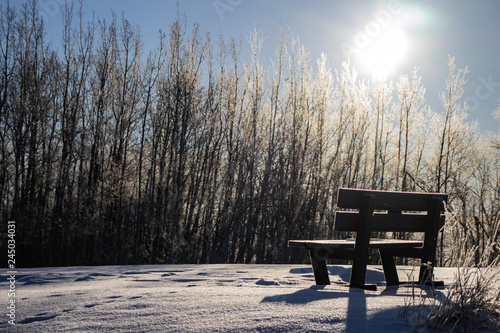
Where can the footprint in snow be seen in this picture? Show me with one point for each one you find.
(91, 305)
(40, 317)
(135, 297)
(146, 280)
(263, 282)
(91, 277)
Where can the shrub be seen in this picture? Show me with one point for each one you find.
(471, 303)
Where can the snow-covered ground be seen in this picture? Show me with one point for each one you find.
(204, 298)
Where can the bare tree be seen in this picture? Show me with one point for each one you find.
(411, 98)
(451, 105)
(7, 66)
(496, 115)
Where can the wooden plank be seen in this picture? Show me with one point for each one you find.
(388, 200)
(415, 252)
(375, 243)
(327, 243)
(394, 244)
(347, 221)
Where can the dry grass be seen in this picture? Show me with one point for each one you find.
(470, 304)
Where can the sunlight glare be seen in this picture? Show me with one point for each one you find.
(385, 52)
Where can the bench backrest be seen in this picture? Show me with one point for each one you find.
(393, 211)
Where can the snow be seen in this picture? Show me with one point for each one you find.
(205, 298)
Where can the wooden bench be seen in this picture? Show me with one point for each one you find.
(367, 211)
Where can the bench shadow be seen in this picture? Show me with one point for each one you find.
(356, 316)
(373, 275)
(356, 311)
(356, 319)
(304, 296)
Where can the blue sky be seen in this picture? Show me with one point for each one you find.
(467, 30)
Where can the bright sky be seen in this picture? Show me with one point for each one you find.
(385, 38)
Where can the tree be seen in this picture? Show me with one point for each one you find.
(496, 115)
(450, 99)
(411, 98)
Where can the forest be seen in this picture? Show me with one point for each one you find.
(197, 152)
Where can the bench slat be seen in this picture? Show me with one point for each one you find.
(387, 200)
(349, 243)
(383, 222)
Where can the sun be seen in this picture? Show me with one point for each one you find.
(384, 52)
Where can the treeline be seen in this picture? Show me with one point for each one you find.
(195, 152)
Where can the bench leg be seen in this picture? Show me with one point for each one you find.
(426, 273)
(319, 269)
(358, 271)
(426, 277)
(358, 274)
(390, 272)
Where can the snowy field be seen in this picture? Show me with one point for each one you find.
(204, 298)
